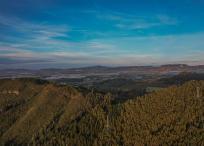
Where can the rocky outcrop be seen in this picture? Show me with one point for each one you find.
(15, 92)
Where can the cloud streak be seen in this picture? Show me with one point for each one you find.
(113, 52)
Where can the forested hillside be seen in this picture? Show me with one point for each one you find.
(36, 112)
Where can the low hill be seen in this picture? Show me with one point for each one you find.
(182, 78)
(35, 112)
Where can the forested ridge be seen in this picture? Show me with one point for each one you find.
(44, 113)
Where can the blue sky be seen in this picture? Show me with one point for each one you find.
(76, 33)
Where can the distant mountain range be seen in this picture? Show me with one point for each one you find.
(101, 71)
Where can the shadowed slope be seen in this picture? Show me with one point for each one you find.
(38, 106)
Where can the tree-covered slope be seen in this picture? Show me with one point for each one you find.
(173, 116)
(48, 114)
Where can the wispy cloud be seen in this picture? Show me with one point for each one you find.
(128, 21)
(31, 30)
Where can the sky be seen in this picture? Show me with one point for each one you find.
(76, 33)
